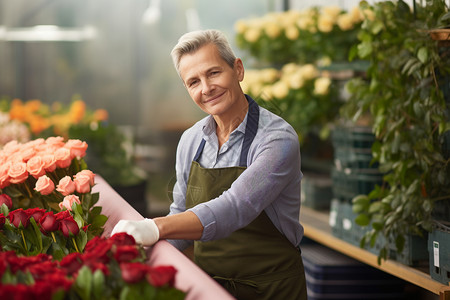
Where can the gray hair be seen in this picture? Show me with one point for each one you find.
(192, 41)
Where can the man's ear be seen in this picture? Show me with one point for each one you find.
(239, 68)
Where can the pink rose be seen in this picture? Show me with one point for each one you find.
(27, 153)
(56, 141)
(68, 201)
(44, 185)
(90, 174)
(62, 157)
(77, 148)
(11, 147)
(4, 177)
(82, 183)
(49, 162)
(35, 166)
(18, 172)
(66, 186)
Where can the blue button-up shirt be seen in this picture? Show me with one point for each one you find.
(271, 181)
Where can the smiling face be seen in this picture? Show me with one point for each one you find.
(211, 82)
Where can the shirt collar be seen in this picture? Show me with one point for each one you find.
(210, 126)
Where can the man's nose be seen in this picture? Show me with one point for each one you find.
(207, 87)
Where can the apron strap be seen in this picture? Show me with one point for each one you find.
(250, 132)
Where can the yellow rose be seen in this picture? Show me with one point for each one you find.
(325, 23)
(292, 33)
(322, 85)
(356, 15)
(369, 14)
(269, 75)
(252, 34)
(280, 90)
(296, 81)
(345, 22)
(266, 93)
(272, 29)
(331, 11)
(309, 71)
(290, 68)
(240, 26)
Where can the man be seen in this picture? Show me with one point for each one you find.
(237, 193)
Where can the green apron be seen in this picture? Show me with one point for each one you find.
(257, 261)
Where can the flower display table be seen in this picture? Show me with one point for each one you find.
(189, 278)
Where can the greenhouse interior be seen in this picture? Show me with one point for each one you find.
(193, 149)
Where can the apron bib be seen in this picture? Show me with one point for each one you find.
(257, 261)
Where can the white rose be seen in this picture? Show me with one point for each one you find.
(296, 81)
(272, 29)
(322, 85)
(325, 23)
(309, 71)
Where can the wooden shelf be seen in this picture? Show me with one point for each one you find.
(317, 228)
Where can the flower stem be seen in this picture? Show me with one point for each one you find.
(24, 241)
(53, 236)
(30, 195)
(75, 244)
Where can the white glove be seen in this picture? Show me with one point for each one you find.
(145, 231)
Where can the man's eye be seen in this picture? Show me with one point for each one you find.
(192, 83)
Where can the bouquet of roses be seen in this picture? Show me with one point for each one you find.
(46, 200)
(111, 268)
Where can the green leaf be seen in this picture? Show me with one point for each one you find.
(422, 54)
(375, 207)
(98, 284)
(362, 220)
(83, 283)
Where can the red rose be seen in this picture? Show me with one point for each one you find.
(122, 239)
(93, 243)
(126, 253)
(63, 215)
(71, 263)
(133, 272)
(98, 254)
(69, 227)
(161, 275)
(59, 281)
(18, 217)
(94, 266)
(2, 220)
(36, 213)
(41, 269)
(48, 222)
(5, 199)
(42, 289)
(17, 292)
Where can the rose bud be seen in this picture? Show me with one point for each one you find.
(66, 186)
(68, 202)
(82, 183)
(69, 227)
(44, 185)
(48, 222)
(122, 239)
(18, 217)
(5, 199)
(35, 213)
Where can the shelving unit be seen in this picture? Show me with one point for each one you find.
(317, 228)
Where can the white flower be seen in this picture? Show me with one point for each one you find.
(280, 89)
(292, 33)
(345, 22)
(252, 34)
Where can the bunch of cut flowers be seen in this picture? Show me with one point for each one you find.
(111, 268)
(46, 202)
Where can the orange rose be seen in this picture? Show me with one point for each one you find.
(18, 172)
(4, 177)
(90, 174)
(49, 162)
(44, 185)
(66, 186)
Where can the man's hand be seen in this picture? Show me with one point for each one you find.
(145, 231)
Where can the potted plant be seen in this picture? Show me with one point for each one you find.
(403, 95)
